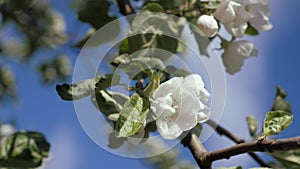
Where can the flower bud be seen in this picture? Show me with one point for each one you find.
(208, 25)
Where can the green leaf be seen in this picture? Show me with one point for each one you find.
(279, 102)
(252, 125)
(288, 159)
(276, 121)
(132, 66)
(86, 87)
(176, 72)
(109, 102)
(24, 149)
(153, 7)
(132, 117)
(114, 142)
(153, 31)
(260, 168)
(95, 12)
(153, 85)
(203, 42)
(238, 167)
(251, 30)
(171, 5)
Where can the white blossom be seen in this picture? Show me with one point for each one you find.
(179, 104)
(208, 25)
(236, 14)
(235, 53)
(259, 9)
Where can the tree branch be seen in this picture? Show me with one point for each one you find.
(197, 149)
(125, 7)
(222, 131)
(261, 145)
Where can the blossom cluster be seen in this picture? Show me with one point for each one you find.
(236, 16)
(179, 104)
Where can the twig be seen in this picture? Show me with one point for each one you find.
(197, 149)
(262, 145)
(125, 7)
(222, 131)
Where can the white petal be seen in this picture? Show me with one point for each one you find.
(187, 114)
(203, 113)
(193, 83)
(162, 105)
(226, 11)
(166, 130)
(260, 21)
(235, 54)
(171, 86)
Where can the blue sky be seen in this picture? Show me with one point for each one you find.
(249, 92)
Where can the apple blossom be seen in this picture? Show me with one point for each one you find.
(235, 53)
(208, 25)
(259, 9)
(179, 104)
(236, 14)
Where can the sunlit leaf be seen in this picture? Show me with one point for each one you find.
(276, 121)
(132, 117)
(252, 125)
(24, 149)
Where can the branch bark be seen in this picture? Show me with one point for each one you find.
(205, 159)
(222, 131)
(125, 7)
(262, 145)
(197, 149)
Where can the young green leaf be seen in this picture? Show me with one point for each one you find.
(86, 87)
(276, 121)
(279, 102)
(251, 30)
(24, 149)
(132, 117)
(252, 125)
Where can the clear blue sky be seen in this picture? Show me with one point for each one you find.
(41, 109)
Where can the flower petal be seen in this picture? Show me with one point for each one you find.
(166, 130)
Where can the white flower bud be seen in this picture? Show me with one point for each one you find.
(208, 25)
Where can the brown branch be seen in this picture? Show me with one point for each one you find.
(262, 145)
(197, 149)
(222, 131)
(125, 7)
(205, 159)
